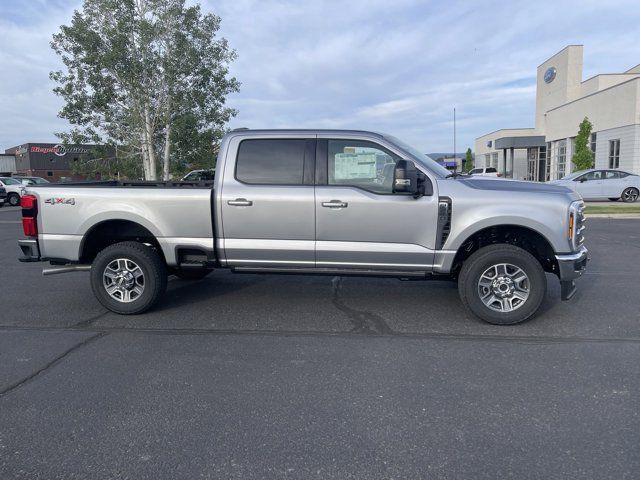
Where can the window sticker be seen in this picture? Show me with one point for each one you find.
(348, 166)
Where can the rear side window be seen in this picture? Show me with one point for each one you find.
(491, 170)
(475, 170)
(271, 162)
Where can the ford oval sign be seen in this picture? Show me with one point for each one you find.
(550, 74)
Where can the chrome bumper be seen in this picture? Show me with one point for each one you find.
(30, 250)
(570, 267)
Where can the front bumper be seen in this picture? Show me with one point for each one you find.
(570, 267)
(30, 250)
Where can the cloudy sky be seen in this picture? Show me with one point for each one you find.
(396, 66)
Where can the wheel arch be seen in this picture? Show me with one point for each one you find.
(109, 232)
(526, 238)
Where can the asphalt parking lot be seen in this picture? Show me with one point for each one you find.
(243, 376)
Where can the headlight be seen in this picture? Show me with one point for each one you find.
(575, 225)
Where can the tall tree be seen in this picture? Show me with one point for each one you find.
(468, 161)
(146, 74)
(583, 156)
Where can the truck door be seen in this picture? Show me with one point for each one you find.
(360, 223)
(267, 202)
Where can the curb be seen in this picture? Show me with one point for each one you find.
(620, 216)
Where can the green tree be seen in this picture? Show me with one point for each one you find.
(468, 162)
(583, 156)
(150, 76)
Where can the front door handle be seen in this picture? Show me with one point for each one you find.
(335, 204)
(240, 202)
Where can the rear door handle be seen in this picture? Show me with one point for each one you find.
(240, 202)
(335, 204)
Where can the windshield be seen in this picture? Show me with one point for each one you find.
(10, 181)
(422, 158)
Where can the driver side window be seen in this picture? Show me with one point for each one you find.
(589, 176)
(361, 164)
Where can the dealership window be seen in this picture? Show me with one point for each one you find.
(487, 160)
(562, 158)
(614, 153)
(49, 174)
(594, 137)
(494, 160)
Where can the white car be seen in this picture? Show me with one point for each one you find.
(199, 175)
(595, 184)
(485, 172)
(15, 189)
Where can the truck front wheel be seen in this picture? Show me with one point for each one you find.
(128, 277)
(502, 284)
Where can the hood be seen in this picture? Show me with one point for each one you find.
(506, 185)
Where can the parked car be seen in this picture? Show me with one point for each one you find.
(199, 175)
(3, 196)
(15, 189)
(31, 180)
(312, 202)
(595, 184)
(485, 172)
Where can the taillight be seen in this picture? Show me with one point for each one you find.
(29, 204)
(498, 175)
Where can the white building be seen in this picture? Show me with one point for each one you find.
(611, 101)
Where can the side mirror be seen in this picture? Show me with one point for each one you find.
(408, 180)
(582, 180)
(405, 178)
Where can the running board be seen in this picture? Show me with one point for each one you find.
(332, 271)
(66, 269)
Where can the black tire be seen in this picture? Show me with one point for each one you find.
(614, 199)
(192, 273)
(629, 195)
(482, 260)
(13, 199)
(154, 275)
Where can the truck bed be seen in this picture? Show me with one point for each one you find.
(178, 215)
(132, 184)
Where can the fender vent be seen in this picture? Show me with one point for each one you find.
(444, 221)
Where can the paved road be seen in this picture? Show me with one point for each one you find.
(242, 376)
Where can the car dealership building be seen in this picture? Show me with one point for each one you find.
(611, 101)
(49, 160)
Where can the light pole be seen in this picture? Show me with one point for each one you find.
(454, 138)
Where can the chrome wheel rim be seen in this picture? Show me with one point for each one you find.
(123, 280)
(14, 201)
(504, 287)
(630, 195)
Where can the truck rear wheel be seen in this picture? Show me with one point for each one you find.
(502, 284)
(128, 277)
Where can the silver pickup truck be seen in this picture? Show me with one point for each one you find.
(331, 202)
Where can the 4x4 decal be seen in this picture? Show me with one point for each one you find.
(60, 201)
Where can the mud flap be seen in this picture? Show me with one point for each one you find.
(567, 289)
